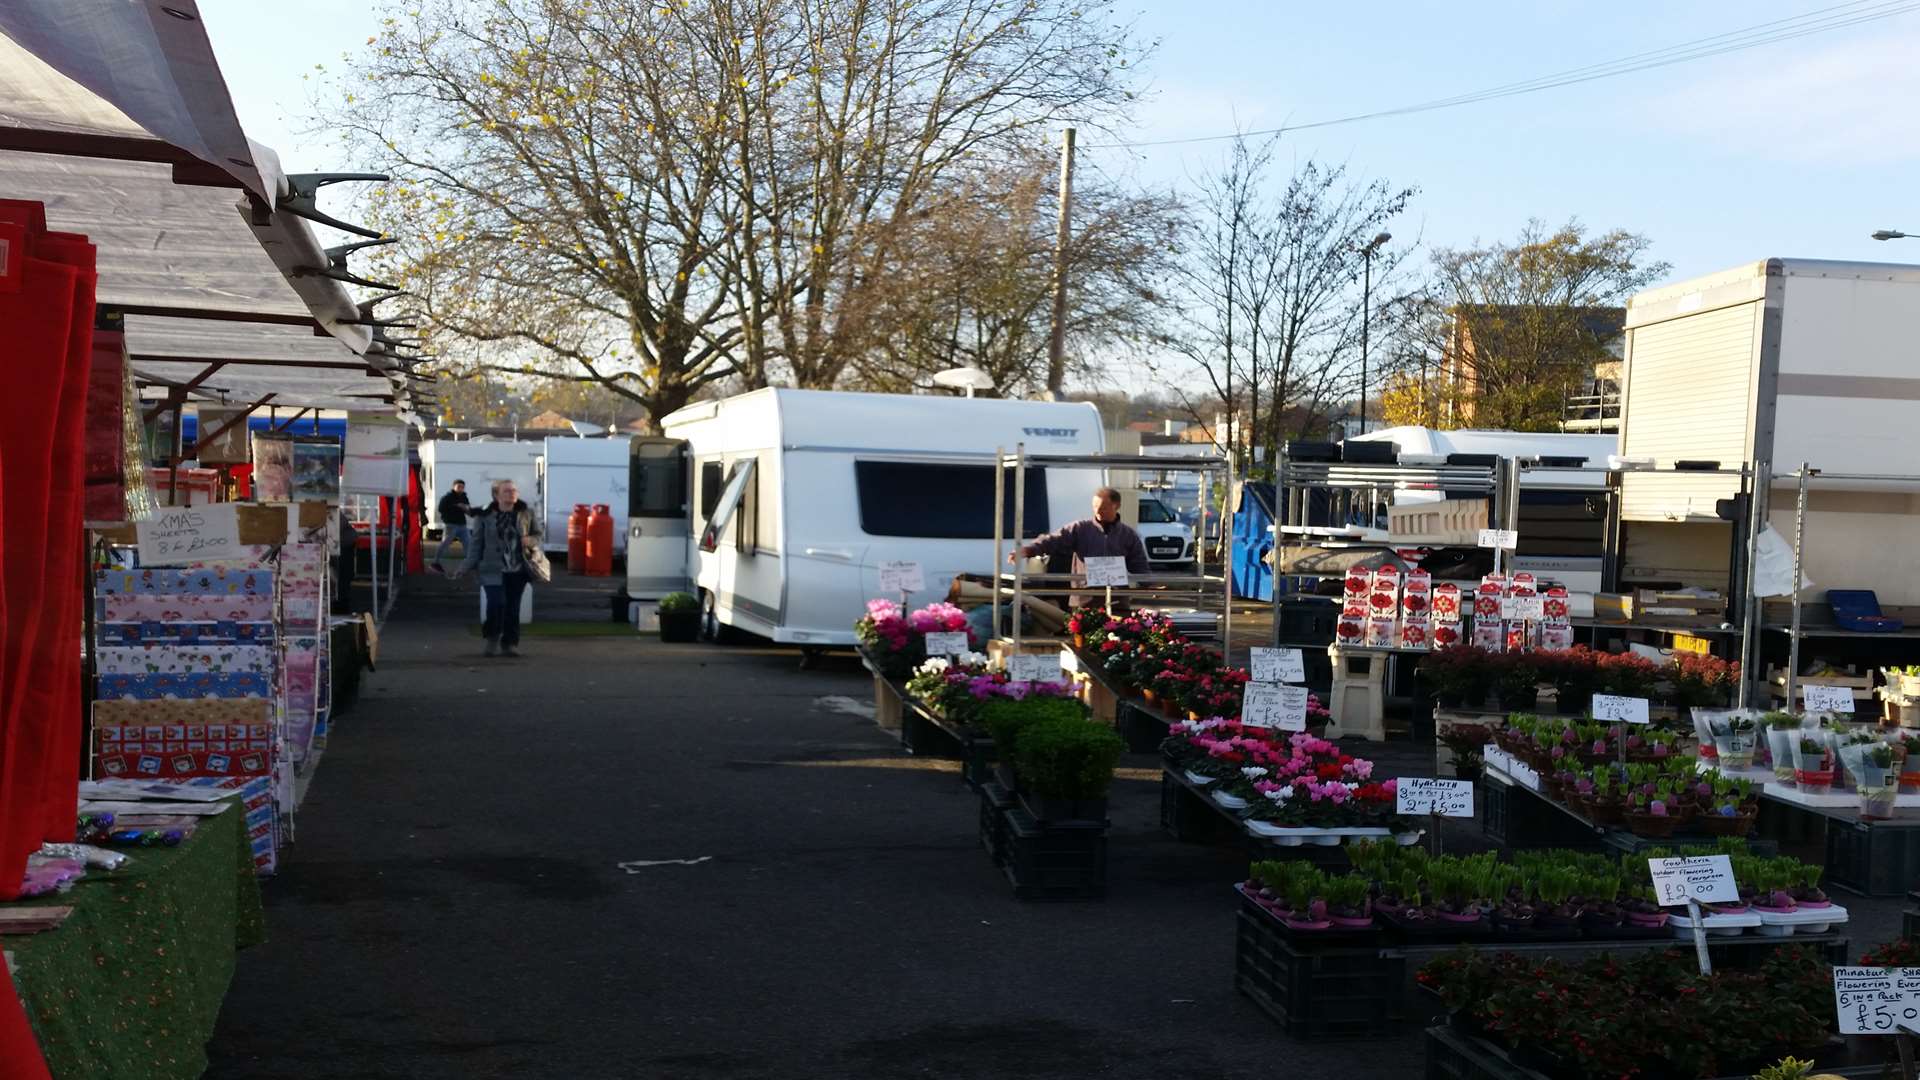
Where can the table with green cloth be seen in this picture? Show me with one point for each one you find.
(131, 984)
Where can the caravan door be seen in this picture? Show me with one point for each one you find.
(658, 533)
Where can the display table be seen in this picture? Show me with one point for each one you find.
(131, 984)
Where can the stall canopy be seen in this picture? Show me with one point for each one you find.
(114, 114)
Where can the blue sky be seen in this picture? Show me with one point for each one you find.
(1794, 149)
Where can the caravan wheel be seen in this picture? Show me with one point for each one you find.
(712, 630)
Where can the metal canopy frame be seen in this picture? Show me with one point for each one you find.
(1020, 461)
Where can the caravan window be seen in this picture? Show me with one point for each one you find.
(902, 498)
(658, 484)
(712, 479)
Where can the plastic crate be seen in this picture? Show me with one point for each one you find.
(976, 761)
(994, 802)
(1512, 816)
(1055, 862)
(1910, 918)
(1315, 993)
(1181, 814)
(1142, 730)
(1874, 860)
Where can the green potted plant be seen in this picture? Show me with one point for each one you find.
(1516, 678)
(1007, 720)
(1574, 673)
(1066, 766)
(1465, 742)
(679, 617)
(1812, 766)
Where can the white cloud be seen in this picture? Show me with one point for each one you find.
(1848, 102)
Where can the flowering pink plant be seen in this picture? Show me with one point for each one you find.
(895, 640)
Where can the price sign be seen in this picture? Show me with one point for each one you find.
(1025, 667)
(945, 644)
(1278, 666)
(1421, 795)
(901, 575)
(1707, 879)
(1828, 698)
(1525, 607)
(1876, 1001)
(1633, 710)
(1499, 538)
(177, 535)
(1270, 706)
(1107, 570)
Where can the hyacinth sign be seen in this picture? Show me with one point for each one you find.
(946, 644)
(1277, 666)
(1269, 706)
(1422, 795)
(1876, 1000)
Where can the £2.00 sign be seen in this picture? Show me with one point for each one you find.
(1707, 879)
(1876, 1001)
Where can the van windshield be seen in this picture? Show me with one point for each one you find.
(1155, 512)
(954, 502)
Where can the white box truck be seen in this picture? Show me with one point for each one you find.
(590, 471)
(1785, 362)
(808, 492)
(480, 462)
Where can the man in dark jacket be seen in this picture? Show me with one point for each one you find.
(1103, 534)
(453, 508)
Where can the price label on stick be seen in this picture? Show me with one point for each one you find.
(946, 644)
(1877, 1001)
(1278, 666)
(1526, 607)
(1632, 710)
(901, 575)
(1707, 879)
(1499, 538)
(1025, 667)
(1421, 795)
(1107, 570)
(1270, 706)
(1828, 698)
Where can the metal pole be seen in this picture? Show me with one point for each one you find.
(1366, 303)
(1226, 569)
(1019, 539)
(1799, 542)
(999, 530)
(1749, 614)
(1057, 346)
(373, 553)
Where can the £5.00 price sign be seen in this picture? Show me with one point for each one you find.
(1877, 1001)
(1423, 795)
(1270, 706)
(1277, 666)
(1828, 698)
(1707, 879)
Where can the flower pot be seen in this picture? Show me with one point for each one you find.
(1910, 783)
(1649, 920)
(1447, 700)
(679, 625)
(1348, 922)
(1876, 803)
(1735, 751)
(1524, 701)
(1307, 924)
(1047, 808)
(1079, 641)
(1813, 781)
(1739, 824)
(1003, 774)
(1656, 826)
(1147, 694)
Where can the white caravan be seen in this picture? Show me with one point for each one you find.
(479, 462)
(777, 507)
(590, 471)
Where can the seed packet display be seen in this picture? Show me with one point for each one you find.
(1351, 629)
(1556, 637)
(1445, 634)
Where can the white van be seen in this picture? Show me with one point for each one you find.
(479, 462)
(777, 507)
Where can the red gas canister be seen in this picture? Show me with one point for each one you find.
(600, 541)
(577, 538)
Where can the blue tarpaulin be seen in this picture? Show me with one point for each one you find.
(1252, 541)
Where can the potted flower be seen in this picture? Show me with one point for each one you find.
(1349, 906)
(1701, 681)
(679, 617)
(1628, 675)
(1067, 767)
(1088, 625)
(1574, 673)
(1731, 810)
(1910, 765)
(1650, 815)
(1465, 742)
(1516, 679)
(1300, 892)
(1812, 766)
(1460, 891)
(1007, 719)
(1877, 781)
(1456, 676)
(1783, 733)
(1734, 747)
(1641, 912)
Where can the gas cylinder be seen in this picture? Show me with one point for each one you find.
(600, 541)
(577, 538)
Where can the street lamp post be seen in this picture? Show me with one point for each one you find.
(1894, 234)
(1366, 304)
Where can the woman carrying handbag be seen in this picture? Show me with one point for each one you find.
(506, 553)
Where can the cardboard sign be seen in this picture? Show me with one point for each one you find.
(1632, 710)
(1278, 666)
(1876, 1001)
(177, 535)
(1270, 706)
(945, 644)
(1532, 608)
(1025, 667)
(1707, 879)
(1421, 795)
(1828, 698)
(901, 575)
(1107, 570)
(1499, 538)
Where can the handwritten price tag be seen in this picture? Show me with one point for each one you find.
(1028, 668)
(1828, 698)
(1876, 1001)
(1422, 795)
(1499, 538)
(946, 644)
(1107, 570)
(1526, 607)
(1278, 666)
(901, 575)
(178, 535)
(1707, 879)
(1632, 710)
(1270, 706)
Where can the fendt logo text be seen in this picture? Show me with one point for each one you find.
(1052, 432)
